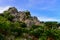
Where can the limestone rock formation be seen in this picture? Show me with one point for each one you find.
(13, 11)
(23, 16)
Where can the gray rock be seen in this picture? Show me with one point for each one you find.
(24, 16)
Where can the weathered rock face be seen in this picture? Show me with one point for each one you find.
(24, 16)
(13, 11)
(29, 22)
(35, 20)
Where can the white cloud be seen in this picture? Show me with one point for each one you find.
(10, 0)
(43, 4)
(2, 1)
(7, 0)
(4, 8)
(47, 19)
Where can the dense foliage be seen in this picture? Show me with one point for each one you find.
(17, 30)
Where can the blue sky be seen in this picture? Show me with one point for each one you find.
(45, 10)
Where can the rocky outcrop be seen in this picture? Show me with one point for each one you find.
(24, 16)
(13, 11)
(35, 20)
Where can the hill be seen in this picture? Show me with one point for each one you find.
(20, 25)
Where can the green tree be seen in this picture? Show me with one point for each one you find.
(50, 25)
(8, 15)
(28, 15)
(37, 32)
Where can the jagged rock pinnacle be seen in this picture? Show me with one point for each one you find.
(23, 16)
(13, 10)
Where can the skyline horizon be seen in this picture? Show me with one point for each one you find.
(49, 20)
(45, 10)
